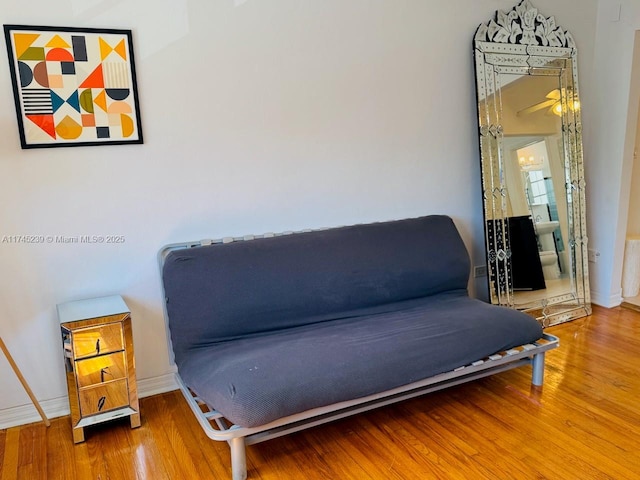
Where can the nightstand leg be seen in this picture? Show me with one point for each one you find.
(78, 435)
(135, 420)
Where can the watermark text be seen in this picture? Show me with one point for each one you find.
(35, 239)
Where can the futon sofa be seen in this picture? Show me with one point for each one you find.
(274, 333)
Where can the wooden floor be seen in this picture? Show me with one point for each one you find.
(583, 424)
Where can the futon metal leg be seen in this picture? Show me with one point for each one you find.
(538, 369)
(238, 458)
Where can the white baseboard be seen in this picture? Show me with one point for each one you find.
(612, 301)
(59, 407)
(23, 414)
(155, 385)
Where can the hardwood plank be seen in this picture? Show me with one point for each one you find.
(379, 450)
(148, 463)
(584, 423)
(497, 446)
(60, 453)
(445, 451)
(206, 454)
(410, 464)
(170, 439)
(287, 459)
(119, 453)
(332, 450)
(84, 461)
(93, 454)
(32, 457)
(552, 436)
(11, 453)
(588, 422)
(3, 436)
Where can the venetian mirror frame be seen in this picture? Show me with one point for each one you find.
(517, 45)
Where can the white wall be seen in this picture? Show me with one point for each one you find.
(609, 143)
(257, 116)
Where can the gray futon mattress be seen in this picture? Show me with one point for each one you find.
(255, 379)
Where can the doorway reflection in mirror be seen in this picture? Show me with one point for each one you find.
(548, 212)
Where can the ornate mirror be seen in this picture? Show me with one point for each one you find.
(531, 165)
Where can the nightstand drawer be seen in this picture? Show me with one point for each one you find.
(97, 340)
(104, 368)
(104, 397)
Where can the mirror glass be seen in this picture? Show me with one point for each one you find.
(532, 171)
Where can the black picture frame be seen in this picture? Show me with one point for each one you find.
(73, 86)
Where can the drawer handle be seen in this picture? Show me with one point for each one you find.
(101, 402)
(104, 371)
(98, 346)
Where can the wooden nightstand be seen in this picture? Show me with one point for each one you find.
(99, 362)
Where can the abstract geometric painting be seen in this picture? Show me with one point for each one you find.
(73, 86)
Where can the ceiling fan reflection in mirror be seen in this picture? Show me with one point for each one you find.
(553, 104)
